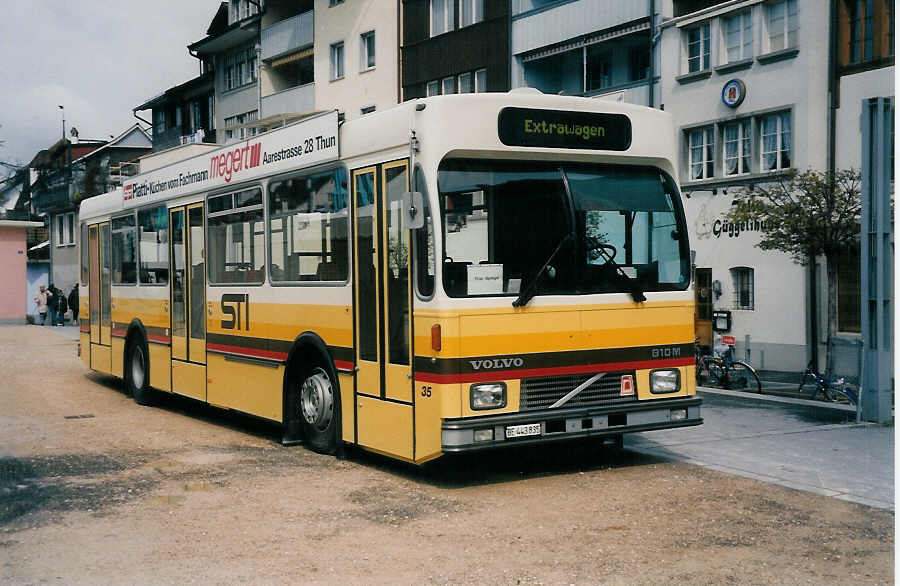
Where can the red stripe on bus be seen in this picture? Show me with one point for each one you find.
(496, 375)
(249, 352)
(159, 339)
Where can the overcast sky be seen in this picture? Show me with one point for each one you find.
(98, 58)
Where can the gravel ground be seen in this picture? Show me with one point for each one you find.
(96, 490)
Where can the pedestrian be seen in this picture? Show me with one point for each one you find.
(73, 303)
(41, 300)
(52, 303)
(62, 308)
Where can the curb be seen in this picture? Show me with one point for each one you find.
(763, 398)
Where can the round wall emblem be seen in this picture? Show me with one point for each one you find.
(733, 93)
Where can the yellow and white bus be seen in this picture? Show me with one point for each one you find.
(454, 274)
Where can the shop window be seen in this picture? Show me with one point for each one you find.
(849, 291)
(742, 287)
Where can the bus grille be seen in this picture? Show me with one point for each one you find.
(542, 392)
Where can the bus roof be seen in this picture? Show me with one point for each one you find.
(463, 124)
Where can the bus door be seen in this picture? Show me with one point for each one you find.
(100, 306)
(384, 397)
(187, 298)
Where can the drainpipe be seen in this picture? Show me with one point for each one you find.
(652, 51)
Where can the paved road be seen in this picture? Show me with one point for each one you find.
(795, 443)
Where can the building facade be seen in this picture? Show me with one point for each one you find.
(596, 48)
(455, 47)
(68, 173)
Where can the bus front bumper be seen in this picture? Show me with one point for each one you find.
(466, 434)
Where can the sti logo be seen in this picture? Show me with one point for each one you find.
(129, 192)
(235, 161)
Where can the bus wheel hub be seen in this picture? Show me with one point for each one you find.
(317, 399)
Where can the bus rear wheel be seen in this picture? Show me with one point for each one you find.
(136, 372)
(316, 406)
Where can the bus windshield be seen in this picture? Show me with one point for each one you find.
(529, 228)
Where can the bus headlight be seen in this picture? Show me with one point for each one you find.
(665, 381)
(487, 396)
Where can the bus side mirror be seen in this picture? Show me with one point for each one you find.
(413, 210)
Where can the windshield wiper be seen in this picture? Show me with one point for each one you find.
(529, 292)
(633, 287)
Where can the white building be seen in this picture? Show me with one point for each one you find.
(748, 84)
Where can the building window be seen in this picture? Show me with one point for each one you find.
(639, 61)
(775, 137)
(871, 29)
(240, 67)
(232, 133)
(367, 51)
(480, 81)
(448, 85)
(367, 110)
(782, 24)
(241, 9)
(433, 88)
(598, 68)
(742, 286)
(698, 48)
(334, 2)
(65, 229)
(470, 12)
(700, 145)
(465, 83)
(738, 35)
(737, 140)
(441, 17)
(337, 60)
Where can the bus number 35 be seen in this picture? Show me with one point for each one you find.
(231, 306)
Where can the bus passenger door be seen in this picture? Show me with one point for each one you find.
(99, 284)
(187, 298)
(384, 397)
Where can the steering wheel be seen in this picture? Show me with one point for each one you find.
(603, 250)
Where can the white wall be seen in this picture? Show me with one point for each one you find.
(345, 22)
(853, 90)
(777, 324)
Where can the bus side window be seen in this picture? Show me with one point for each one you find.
(424, 242)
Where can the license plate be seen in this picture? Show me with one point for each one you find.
(523, 430)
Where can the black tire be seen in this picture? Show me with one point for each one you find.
(314, 409)
(742, 377)
(137, 372)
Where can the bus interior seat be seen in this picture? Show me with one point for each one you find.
(456, 277)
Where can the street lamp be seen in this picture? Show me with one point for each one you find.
(63, 121)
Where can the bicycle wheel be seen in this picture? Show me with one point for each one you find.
(742, 377)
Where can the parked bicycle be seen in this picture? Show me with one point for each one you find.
(835, 390)
(720, 369)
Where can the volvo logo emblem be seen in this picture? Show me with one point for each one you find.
(497, 363)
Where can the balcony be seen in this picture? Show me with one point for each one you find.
(287, 36)
(51, 198)
(297, 99)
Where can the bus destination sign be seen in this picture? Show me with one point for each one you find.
(530, 127)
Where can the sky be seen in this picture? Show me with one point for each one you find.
(97, 58)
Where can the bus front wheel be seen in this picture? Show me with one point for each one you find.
(315, 405)
(137, 379)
